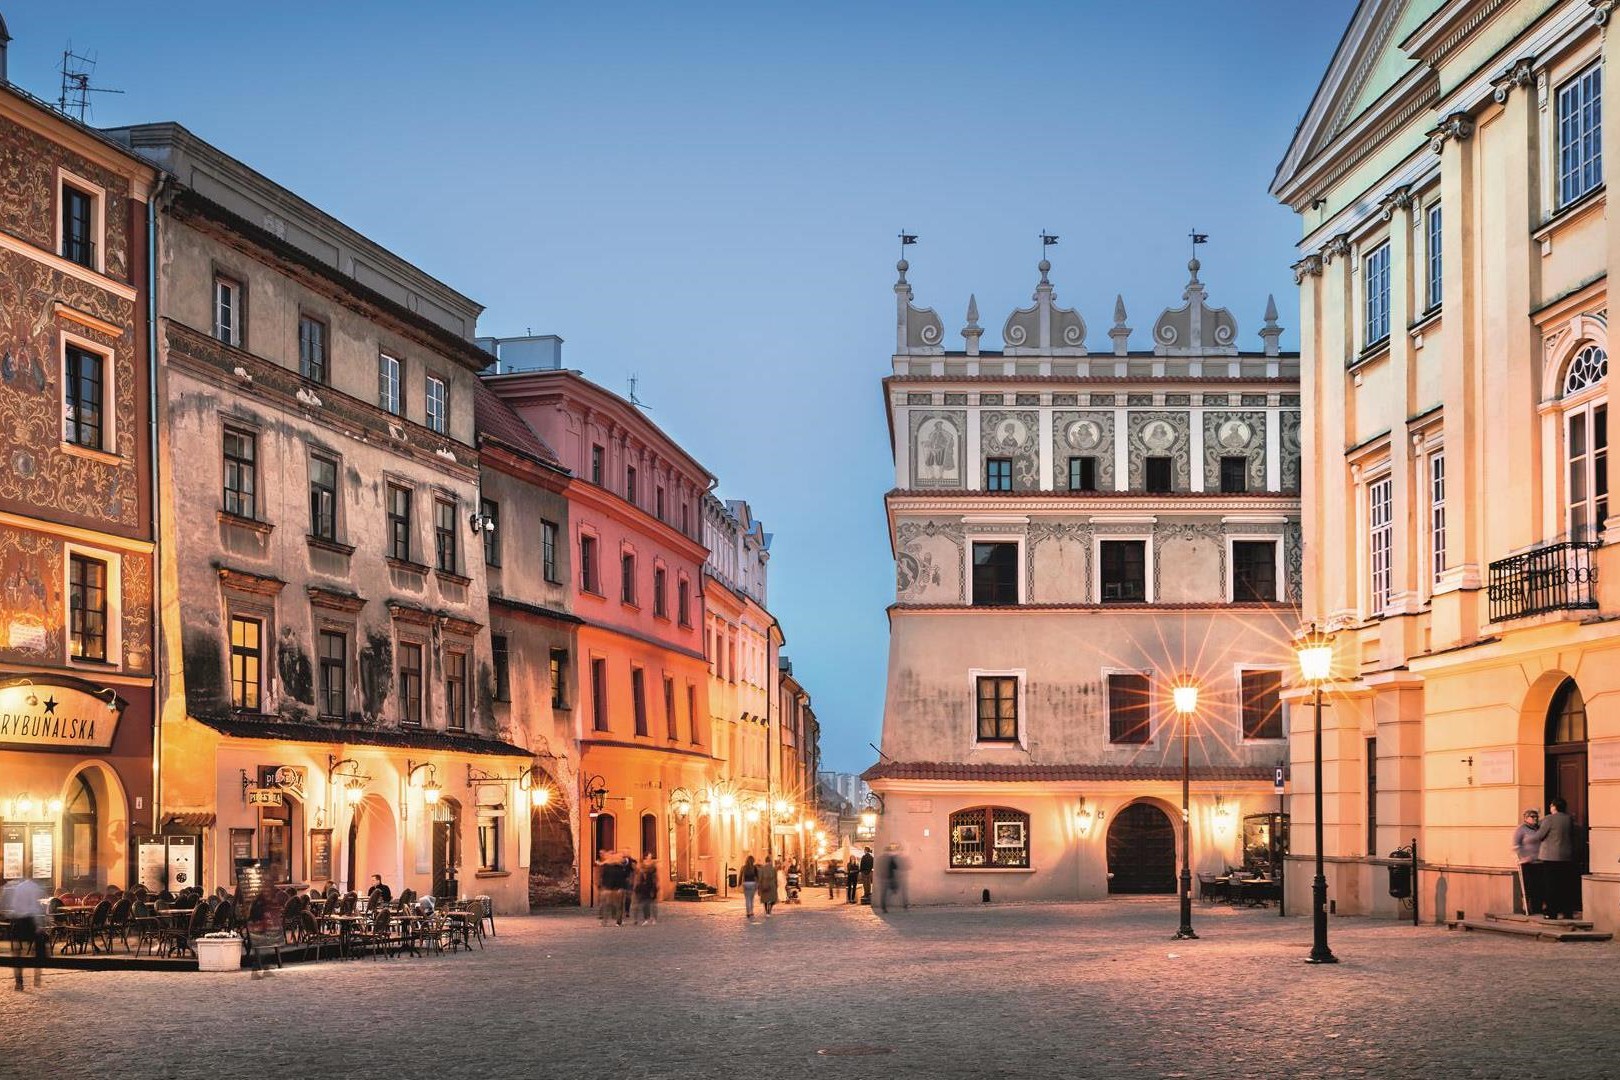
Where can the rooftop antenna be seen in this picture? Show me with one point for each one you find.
(77, 70)
(637, 402)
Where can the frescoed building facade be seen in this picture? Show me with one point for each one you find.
(1460, 543)
(1073, 532)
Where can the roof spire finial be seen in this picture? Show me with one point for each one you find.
(906, 240)
(1193, 265)
(1120, 333)
(1270, 332)
(972, 331)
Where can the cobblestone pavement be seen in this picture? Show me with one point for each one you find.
(825, 990)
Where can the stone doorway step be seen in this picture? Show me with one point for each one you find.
(1533, 926)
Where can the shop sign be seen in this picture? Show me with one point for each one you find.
(41, 715)
(320, 855)
(265, 797)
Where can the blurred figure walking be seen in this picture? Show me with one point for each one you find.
(750, 884)
(647, 892)
(21, 902)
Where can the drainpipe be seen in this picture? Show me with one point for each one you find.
(159, 652)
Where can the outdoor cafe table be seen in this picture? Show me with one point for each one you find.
(345, 925)
(158, 918)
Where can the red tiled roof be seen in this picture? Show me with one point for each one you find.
(1028, 774)
(496, 420)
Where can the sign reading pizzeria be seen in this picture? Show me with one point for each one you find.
(59, 714)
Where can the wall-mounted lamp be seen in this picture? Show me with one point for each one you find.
(871, 811)
(54, 807)
(1223, 815)
(428, 784)
(680, 802)
(1083, 817)
(33, 698)
(533, 780)
(1469, 761)
(112, 698)
(481, 523)
(593, 790)
(25, 804)
(353, 781)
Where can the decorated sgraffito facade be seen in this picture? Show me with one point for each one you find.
(1073, 531)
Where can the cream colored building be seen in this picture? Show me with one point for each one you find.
(1449, 180)
(1072, 531)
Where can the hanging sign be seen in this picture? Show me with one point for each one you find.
(1277, 778)
(265, 797)
(55, 716)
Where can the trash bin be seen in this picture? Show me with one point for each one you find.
(731, 878)
(1400, 877)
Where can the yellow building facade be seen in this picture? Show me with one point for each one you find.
(1458, 540)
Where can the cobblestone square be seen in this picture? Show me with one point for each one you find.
(825, 990)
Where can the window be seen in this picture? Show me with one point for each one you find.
(312, 349)
(322, 497)
(691, 711)
(438, 405)
(334, 682)
(660, 603)
(87, 608)
(1435, 251)
(672, 726)
(548, 550)
(1375, 280)
(1158, 474)
(998, 474)
(240, 450)
(686, 519)
(1254, 570)
(455, 691)
(1380, 542)
(227, 311)
(995, 573)
(399, 523)
(1586, 449)
(388, 386)
(638, 699)
(1580, 135)
(683, 598)
(247, 661)
(78, 226)
(83, 390)
(659, 503)
(1437, 514)
(587, 565)
(1082, 474)
(630, 483)
(989, 836)
(599, 712)
(1234, 475)
(491, 511)
(998, 708)
(559, 678)
(1128, 717)
(502, 663)
(489, 840)
(627, 578)
(1262, 705)
(596, 465)
(410, 683)
(444, 536)
(1124, 571)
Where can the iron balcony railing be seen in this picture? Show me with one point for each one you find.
(1556, 577)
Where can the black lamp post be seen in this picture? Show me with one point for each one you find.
(1185, 696)
(1315, 652)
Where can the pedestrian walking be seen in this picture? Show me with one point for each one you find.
(750, 884)
(852, 875)
(832, 877)
(894, 879)
(767, 885)
(1527, 845)
(868, 863)
(21, 902)
(1560, 878)
(610, 885)
(627, 891)
(647, 892)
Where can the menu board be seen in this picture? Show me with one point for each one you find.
(152, 862)
(43, 847)
(182, 862)
(241, 846)
(260, 907)
(11, 852)
(320, 856)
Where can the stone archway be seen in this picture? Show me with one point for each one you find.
(373, 844)
(553, 870)
(1565, 756)
(1141, 851)
(95, 830)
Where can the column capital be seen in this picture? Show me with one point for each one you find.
(1399, 199)
(1603, 10)
(1459, 126)
(1309, 266)
(1522, 72)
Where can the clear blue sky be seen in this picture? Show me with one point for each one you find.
(707, 195)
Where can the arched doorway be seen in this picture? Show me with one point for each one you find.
(373, 844)
(1141, 851)
(446, 847)
(1566, 760)
(95, 829)
(552, 877)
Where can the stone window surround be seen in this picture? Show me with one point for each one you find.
(996, 537)
(261, 610)
(1021, 741)
(1148, 568)
(65, 177)
(1364, 475)
(330, 621)
(1273, 538)
(115, 594)
(108, 451)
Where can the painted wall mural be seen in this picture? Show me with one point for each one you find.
(938, 448)
(33, 624)
(929, 562)
(28, 195)
(1012, 435)
(1235, 434)
(1082, 434)
(1288, 433)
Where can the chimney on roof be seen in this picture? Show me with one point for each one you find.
(5, 39)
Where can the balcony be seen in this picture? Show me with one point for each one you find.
(1556, 577)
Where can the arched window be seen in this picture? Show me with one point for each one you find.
(649, 836)
(1566, 716)
(989, 836)
(1586, 445)
(607, 834)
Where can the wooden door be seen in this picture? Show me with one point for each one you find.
(1141, 851)
(1566, 779)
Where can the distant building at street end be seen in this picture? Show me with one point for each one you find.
(1073, 532)
(1461, 544)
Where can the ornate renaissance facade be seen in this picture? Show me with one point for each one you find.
(1449, 177)
(1072, 532)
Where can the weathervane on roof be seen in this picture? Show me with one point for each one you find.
(906, 240)
(1198, 238)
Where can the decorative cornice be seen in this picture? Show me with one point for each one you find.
(1459, 126)
(1521, 72)
(348, 603)
(1309, 266)
(256, 584)
(1603, 10)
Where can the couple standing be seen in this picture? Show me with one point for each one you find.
(758, 879)
(1547, 867)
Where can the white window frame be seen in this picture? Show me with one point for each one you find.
(389, 372)
(1154, 702)
(1581, 89)
(1581, 406)
(438, 406)
(115, 607)
(223, 284)
(1238, 671)
(109, 396)
(1434, 489)
(1231, 564)
(98, 217)
(1434, 222)
(1021, 741)
(1150, 594)
(1369, 533)
(1378, 319)
(994, 538)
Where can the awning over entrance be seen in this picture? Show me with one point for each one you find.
(190, 819)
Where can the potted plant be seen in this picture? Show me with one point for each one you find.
(219, 951)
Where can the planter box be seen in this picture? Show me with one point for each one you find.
(219, 954)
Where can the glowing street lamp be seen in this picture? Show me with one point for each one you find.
(1184, 696)
(1315, 654)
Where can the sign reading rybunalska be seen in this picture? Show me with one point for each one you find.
(37, 715)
